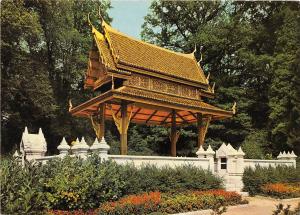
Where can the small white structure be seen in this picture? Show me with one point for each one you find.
(33, 146)
(230, 166)
(63, 147)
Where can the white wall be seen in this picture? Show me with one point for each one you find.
(266, 163)
(160, 161)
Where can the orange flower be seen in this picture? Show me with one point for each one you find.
(146, 200)
(223, 193)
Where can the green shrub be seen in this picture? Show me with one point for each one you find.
(150, 178)
(21, 191)
(254, 179)
(73, 183)
(76, 184)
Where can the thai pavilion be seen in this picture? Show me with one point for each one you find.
(142, 83)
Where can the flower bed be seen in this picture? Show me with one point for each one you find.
(71, 184)
(282, 190)
(255, 179)
(164, 203)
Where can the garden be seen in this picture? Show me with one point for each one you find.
(280, 182)
(76, 186)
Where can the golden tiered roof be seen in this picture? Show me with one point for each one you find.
(121, 52)
(155, 81)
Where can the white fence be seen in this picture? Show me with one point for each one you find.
(266, 163)
(230, 162)
(160, 161)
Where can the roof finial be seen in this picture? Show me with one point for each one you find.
(195, 49)
(207, 78)
(213, 87)
(89, 21)
(234, 108)
(201, 47)
(70, 105)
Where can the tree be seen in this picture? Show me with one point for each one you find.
(45, 48)
(284, 92)
(247, 45)
(25, 86)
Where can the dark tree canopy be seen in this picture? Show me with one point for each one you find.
(251, 50)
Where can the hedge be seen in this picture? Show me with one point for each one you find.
(255, 179)
(73, 183)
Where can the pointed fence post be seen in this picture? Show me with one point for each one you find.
(80, 148)
(96, 146)
(63, 147)
(103, 149)
(210, 155)
(288, 156)
(200, 152)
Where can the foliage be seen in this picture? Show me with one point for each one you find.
(256, 145)
(73, 184)
(255, 179)
(250, 48)
(251, 51)
(282, 190)
(199, 200)
(166, 203)
(44, 46)
(76, 184)
(280, 210)
(133, 204)
(21, 191)
(167, 179)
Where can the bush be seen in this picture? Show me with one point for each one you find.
(21, 191)
(76, 184)
(150, 178)
(73, 184)
(255, 179)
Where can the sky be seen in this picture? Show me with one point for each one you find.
(128, 16)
